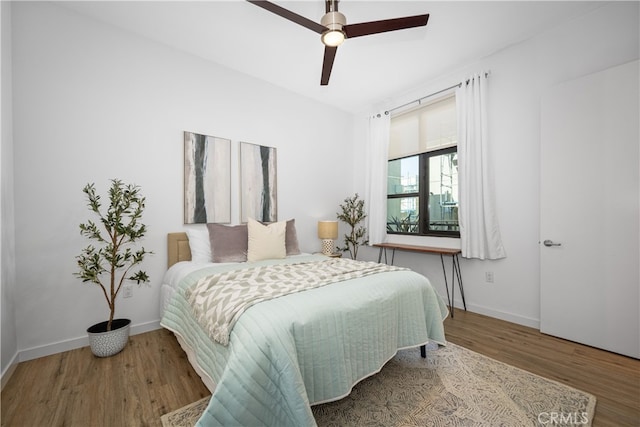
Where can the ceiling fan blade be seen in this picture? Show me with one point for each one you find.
(327, 64)
(375, 27)
(291, 16)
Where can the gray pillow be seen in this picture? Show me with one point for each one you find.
(231, 242)
(291, 238)
(228, 243)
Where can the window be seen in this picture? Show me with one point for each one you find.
(422, 181)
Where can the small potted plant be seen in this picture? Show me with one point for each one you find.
(109, 263)
(353, 213)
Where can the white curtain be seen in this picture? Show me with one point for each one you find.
(376, 172)
(479, 231)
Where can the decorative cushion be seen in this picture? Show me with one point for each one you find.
(228, 243)
(266, 241)
(199, 244)
(291, 238)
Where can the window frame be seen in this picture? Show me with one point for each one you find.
(423, 194)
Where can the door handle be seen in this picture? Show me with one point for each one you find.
(551, 243)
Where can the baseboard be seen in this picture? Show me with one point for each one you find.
(145, 327)
(74, 343)
(509, 317)
(9, 371)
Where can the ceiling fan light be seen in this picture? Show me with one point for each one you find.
(334, 21)
(333, 38)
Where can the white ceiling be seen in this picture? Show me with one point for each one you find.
(367, 69)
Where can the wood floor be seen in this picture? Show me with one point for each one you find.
(613, 379)
(149, 378)
(152, 377)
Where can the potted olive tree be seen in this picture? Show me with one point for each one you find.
(109, 263)
(352, 212)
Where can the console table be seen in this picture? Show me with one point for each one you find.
(455, 264)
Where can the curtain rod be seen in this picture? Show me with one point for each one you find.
(424, 97)
(486, 74)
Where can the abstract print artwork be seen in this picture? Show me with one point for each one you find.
(207, 179)
(258, 183)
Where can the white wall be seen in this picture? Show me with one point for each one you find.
(83, 92)
(92, 102)
(7, 260)
(607, 37)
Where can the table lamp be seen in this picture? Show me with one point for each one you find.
(328, 232)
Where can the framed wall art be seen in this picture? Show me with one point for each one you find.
(258, 183)
(207, 179)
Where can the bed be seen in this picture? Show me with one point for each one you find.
(283, 355)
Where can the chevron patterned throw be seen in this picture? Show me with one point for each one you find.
(219, 300)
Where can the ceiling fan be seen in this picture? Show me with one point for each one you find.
(334, 29)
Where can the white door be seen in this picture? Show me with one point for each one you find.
(590, 274)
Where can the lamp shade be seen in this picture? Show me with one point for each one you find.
(327, 229)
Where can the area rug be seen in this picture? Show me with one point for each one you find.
(453, 386)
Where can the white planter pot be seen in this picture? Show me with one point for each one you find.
(105, 343)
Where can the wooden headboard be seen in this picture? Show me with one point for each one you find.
(178, 248)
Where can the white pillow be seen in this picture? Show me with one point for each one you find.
(199, 245)
(266, 241)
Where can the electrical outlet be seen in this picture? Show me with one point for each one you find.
(127, 291)
(488, 276)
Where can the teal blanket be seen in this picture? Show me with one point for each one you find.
(311, 347)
